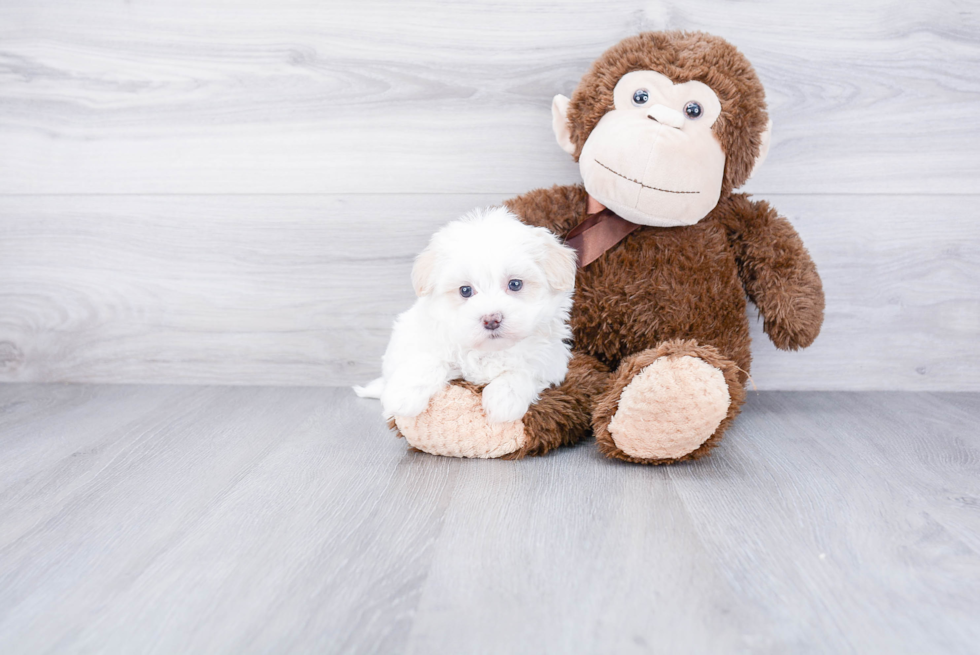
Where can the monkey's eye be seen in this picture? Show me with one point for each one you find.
(640, 97)
(515, 285)
(466, 292)
(693, 110)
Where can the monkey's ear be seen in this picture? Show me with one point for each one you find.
(423, 272)
(559, 123)
(559, 264)
(765, 137)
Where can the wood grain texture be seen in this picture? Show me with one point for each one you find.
(303, 96)
(301, 290)
(138, 141)
(229, 519)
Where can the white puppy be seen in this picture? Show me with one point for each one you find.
(492, 308)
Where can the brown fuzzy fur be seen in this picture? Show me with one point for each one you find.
(776, 271)
(683, 57)
(674, 291)
(562, 415)
(662, 284)
(678, 290)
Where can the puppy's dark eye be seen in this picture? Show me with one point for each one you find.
(515, 285)
(466, 292)
(640, 97)
(693, 110)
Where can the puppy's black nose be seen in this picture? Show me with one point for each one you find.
(492, 321)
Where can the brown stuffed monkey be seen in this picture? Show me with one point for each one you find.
(664, 126)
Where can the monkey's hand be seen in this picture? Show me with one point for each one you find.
(793, 314)
(777, 272)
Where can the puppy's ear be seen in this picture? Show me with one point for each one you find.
(423, 272)
(559, 263)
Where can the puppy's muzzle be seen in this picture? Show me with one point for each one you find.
(492, 321)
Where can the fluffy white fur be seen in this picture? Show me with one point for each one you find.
(446, 336)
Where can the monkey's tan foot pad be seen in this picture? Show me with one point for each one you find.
(454, 425)
(670, 408)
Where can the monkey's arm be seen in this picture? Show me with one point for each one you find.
(559, 208)
(776, 270)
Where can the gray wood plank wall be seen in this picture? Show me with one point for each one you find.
(232, 193)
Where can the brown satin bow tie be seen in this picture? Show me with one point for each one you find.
(598, 233)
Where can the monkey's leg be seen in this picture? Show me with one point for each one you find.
(668, 404)
(454, 424)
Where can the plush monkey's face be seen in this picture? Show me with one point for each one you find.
(653, 158)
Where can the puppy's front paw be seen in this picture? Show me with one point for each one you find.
(405, 400)
(503, 403)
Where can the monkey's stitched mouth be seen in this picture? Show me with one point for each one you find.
(645, 186)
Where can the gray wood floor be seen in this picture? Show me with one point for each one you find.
(165, 519)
